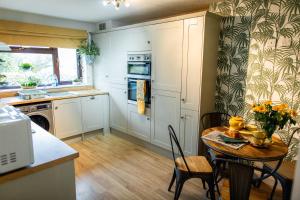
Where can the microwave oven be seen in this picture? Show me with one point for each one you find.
(139, 65)
(16, 146)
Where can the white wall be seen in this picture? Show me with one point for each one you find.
(45, 20)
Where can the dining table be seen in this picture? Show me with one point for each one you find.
(243, 161)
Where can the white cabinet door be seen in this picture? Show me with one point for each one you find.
(139, 125)
(192, 63)
(118, 107)
(67, 117)
(167, 41)
(92, 112)
(138, 39)
(189, 132)
(102, 64)
(118, 57)
(165, 111)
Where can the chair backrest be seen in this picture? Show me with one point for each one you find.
(214, 119)
(293, 133)
(173, 139)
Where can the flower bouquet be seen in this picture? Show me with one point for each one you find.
(271, 117)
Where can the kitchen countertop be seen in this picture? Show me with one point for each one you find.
(49, 151)
(16, 100)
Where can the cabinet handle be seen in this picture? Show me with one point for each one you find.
(148, 118)
(152, 80)
(92, 98)
(56, 108)
(125, 92)
(125, 78)
(183, 100)
(148, 42)
(152, 97)
(182, 117)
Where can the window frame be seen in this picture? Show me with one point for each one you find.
(47, 50)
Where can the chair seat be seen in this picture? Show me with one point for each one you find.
(196, 164)
(286, 169)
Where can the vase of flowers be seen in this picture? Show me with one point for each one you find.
(270, 117)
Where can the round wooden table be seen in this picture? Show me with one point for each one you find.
(241, 160)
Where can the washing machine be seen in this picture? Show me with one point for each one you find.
(40, 113)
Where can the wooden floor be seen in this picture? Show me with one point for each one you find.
(111, 167)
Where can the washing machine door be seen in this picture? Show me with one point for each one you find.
(40, 120)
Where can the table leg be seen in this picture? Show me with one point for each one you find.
(240, 179)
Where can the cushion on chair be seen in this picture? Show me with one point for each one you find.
(196, 164)
(286, 169)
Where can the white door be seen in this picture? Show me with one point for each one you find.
(118, 107)
(67, 117)
(118, 57)
(92, 113)
(102, 64)
(138, 39)
(139, 125)
(165, 110)
(167, 41)
(189, 132)
(192, 63)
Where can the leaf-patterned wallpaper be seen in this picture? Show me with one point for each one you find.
(259, 56)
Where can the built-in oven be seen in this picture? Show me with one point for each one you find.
(139, 64)
(132, 89)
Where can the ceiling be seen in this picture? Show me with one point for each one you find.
(94, 11)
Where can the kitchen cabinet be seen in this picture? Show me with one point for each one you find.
(192, 63)
(184, 59)
(139, 125)
(92, 112)
(189, 132)
(67, 117)
(165, 111)
(118, 57)
(118, 107)
(138, 39)
(167, 41)
(102, 62)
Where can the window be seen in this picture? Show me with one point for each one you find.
(46, 64)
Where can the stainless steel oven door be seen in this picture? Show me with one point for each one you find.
(139, 68)
(132, 88)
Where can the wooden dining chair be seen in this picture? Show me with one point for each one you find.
(209, 120)
(187, 167)
(285, 173)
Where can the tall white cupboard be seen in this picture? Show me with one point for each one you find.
(184, 59)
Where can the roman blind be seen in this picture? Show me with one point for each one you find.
(26, 34)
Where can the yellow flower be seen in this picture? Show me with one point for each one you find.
(293, 113)
(260, 109)
(276, 108)
(284, 106)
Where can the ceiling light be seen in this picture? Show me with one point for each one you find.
(116, 3)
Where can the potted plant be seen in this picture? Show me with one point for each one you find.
(26, 66)
(30, 83)
(89, 50)
(270, 117)
(76, 81)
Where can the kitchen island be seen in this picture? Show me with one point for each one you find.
(51, 176)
